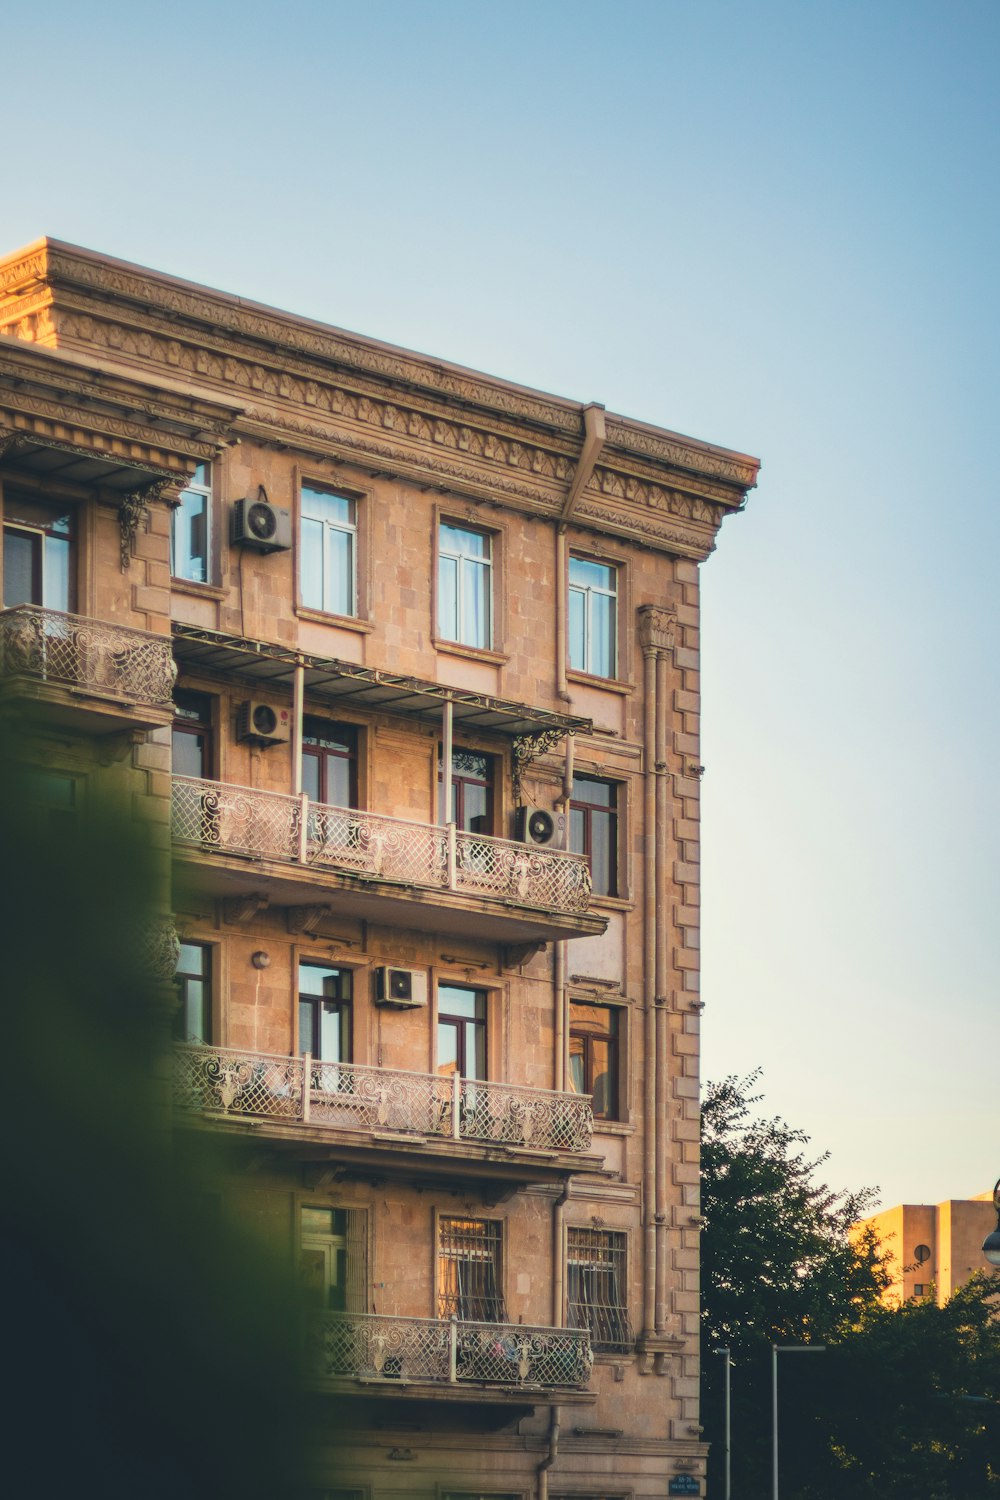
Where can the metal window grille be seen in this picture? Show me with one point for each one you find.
(596, 1282)
(469, 1270)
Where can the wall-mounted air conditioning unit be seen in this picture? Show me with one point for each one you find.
(261, 525)
(405, 988)
(533, 825)
(263, 725)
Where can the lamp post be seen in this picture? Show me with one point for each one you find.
(991, 1244)
(728, 1356)
(777, 1349)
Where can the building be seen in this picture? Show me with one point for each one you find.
(933, 1248)
(430, 771)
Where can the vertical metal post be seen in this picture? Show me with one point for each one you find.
(452, 858)
(727, 1419)
(303, 850)
(306, 1086)
(446, 756)
(456, 1104)
(298, 700)
(453, 1349)
(774, 1422)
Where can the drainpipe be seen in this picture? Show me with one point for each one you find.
(562, 690)
(662, 956)
(446, 733)
(298, 700)
(649, 967)
(559, 1269)
(560, 1069)
(542, 1485)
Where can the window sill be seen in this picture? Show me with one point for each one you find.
(197, 590)
(613, 1127)
(609, 684)
(613, 903)
(342, 622)
(473, 653)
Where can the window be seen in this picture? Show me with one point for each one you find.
(471, 791)
(329, 763)
(922, 1254)
(596, 1286)
(328, 548)
(469, 1270)
(921, 1289)
(333, 1257)
(37, 553)
(193, 1021)
(593, 830)
(461, 1031)
(593, 1055)
(465, 592)
(325, 1012)
(190, 532)
(593, 617)
(191, 738)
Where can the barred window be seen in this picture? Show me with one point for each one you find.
(470, 1276)
(597, 1287)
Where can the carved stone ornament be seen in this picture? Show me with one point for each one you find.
(133, 512)
(657, 627)
(528, 747)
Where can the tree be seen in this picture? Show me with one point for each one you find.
(904, 1401)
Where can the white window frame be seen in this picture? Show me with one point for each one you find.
(587, 592)
(328, 604)
(452, 630)
(204, 491)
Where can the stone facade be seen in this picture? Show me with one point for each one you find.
(933, 1248)
(574, 690)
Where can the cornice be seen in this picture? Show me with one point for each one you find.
(323, 391)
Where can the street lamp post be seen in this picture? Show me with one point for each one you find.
(728, 1356)
(777, 1349)
(991, 1244)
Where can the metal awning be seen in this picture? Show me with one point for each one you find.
(339, 683)
(61, 461)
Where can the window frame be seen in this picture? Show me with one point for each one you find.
(206, 978)
(615, 812)
(618, 1324)
(498, 1227)
(312, 727)
(39, 532)
(207, 492)
(481, 1025)
(486, 564)
(345, 1005)
(360, 529)
(614, 567)
(616, 1053)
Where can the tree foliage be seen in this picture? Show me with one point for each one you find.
(904, 1401)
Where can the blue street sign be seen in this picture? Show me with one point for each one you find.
(683, 1484)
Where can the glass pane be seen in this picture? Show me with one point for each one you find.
(456, 1002)
(340, 572)
(467, 543)
(57, 592)
(189, 754)
(577, 1080)
(312, 1265)
(307, 1017)
(602, 854)
(475, 1050)
(586, 574)
(321, 505)
(596, 793)
(602, 635)
(195, 1011)
(447, 1047)
(476, 804)
(338, 781)
(19, 552)
(332, 1034)
(602, 1090)
(576, 831)
(577, 631)
(190, 538)
(311, 564)
(448, 599)
(310, 777)
(192, 959)
(200, 477)
(475, 605)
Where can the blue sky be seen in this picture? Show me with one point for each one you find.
(773, 226)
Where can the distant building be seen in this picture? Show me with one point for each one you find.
(933, 1248)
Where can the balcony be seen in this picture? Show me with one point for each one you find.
(89, 675)
(443, 1126)
(449, 1358)
(382, 869)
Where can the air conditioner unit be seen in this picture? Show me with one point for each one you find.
(261, 525)
(404, 988)
(533, 825)
(262, 724)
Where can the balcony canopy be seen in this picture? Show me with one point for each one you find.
(270, 666)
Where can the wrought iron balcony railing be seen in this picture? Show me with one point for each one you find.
(451, 1352)
(355, 1097)
(111, 660)
(230, 819)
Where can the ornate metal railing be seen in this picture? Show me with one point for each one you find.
(113, 660)
(272, 825)
(352, 1096)
(447, 1352)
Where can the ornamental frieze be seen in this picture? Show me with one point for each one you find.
(64, 426)
(738, 471)
(327, 345)
(695, 540)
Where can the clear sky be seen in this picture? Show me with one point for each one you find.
(772, 225)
